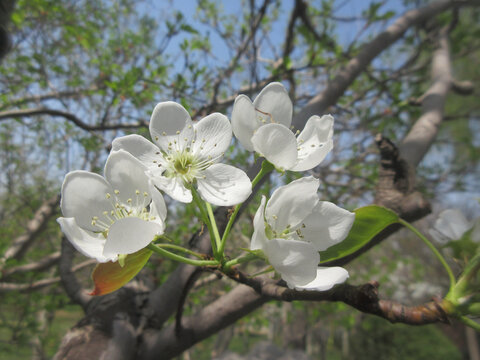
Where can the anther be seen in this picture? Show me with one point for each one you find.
(116, 192)
(164, 133)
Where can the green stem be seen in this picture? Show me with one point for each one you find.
(179, 258)
(434, 250)
(214, 227)
(469, 322)
(205, 219)
(180, 248)
(266, 168)
(240, 260)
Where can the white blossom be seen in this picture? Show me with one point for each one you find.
(452, 225)
(264, 127)
(187, 154)
(293, 226)
(116, 215)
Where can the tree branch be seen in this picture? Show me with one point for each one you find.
(69, 117)
(33, 228)
(337, 86)
(421, 136)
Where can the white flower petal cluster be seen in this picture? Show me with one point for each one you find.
(187, 154)
(293, 226)
(452, 225)
(264, 127)
(118, 214)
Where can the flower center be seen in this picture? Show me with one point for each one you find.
(289, 233)
(264, 117)
(135, 207)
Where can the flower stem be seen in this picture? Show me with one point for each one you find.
(173, 256)
(180, 248)
(204, 214)
(434, 250)
(266, 168)
(213, 222)
(240, 260)
(469, 322)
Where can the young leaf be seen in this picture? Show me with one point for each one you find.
(111, 276)
(369, 221)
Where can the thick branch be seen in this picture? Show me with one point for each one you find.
(423, 133)
(72, 286)
(337, 86)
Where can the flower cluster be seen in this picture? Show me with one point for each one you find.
(109, 218)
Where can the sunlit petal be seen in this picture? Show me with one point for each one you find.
(85, 195)
(289, 205)
(224, 185)
(277, 144)
(327, 225)
(326, 278)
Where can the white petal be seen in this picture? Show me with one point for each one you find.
(89, 244)
(213, 136)
(171, 124)
(158, 208)
(84, 195)
(259, 239)
(173, 186)
(326, 279)
(139, 147)
(127, 175)
(224, 185)
(292, 203)
(327, 225)
(452, 224)
(314, 142)
(296, 261)
(274, 100)
(244, 121)
(129, 235)
(277, 144)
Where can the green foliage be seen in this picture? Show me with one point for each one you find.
(369, 221)
(377, 339)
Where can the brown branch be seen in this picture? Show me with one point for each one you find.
(361, 297)
(33, 228)
(40, 265)
(70, 283)
(37, 285)
(9, 114)
(48, 96)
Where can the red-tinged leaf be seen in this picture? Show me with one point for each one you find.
(110, 276)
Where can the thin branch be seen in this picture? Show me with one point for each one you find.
(40, 265)
(9, 114)
(36, 285)
(33, 228)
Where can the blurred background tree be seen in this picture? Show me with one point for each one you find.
(80, 73)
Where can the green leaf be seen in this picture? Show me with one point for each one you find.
(369, 221)
(111, 276)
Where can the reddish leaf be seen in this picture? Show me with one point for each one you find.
(110, 276)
